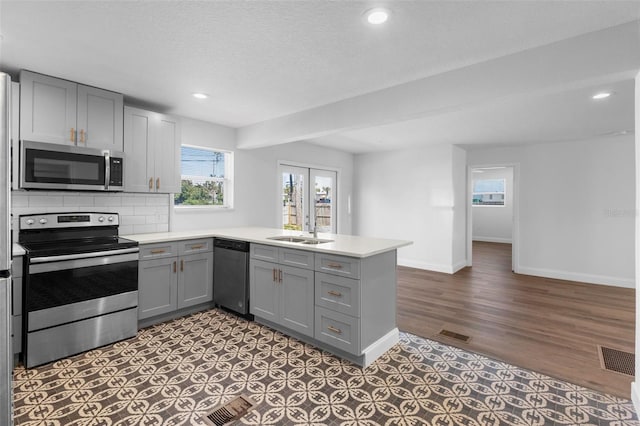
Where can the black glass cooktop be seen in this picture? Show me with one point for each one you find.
(75, 246)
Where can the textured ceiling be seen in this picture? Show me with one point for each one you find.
(260, 60)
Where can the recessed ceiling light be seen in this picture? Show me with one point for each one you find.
(200, 95)
(377, 16)
(601, 95)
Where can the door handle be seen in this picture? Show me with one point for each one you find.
(82, 136)
(174, 266)
(157, 184)
(72, 135)
(274, 273)
(280, 275)
(150, 183)
(181, 265)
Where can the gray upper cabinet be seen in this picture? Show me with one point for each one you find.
(152, 145)
(63, 112)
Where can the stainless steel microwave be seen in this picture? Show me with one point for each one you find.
(52, 166)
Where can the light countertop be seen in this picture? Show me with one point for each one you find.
(345, 245)
(17, 250)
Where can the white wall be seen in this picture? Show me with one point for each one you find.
(409, 195)
(256, 181)
(494, 223)
(577, 208)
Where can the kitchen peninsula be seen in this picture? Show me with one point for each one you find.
(337, 292)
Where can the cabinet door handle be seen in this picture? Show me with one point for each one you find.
(334, 265)
(181, 265)
(196, 247)
(335, 293)
(158, 251)
(280, 275)
(334, 329)
(82, 136)
(274, 274)
(174, 266)
(150, 183)
(72, 135)
(157, 184)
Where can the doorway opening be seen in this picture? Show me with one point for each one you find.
(493, 216)
(307, 198)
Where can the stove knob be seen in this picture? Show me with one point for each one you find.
(30, 221)
(110, 219)
(43, 221)
(101, 219)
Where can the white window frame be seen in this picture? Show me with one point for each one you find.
(227, 181)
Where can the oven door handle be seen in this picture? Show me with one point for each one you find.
(84, 262)
(82, 255)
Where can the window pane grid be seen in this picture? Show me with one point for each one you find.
(204, 176)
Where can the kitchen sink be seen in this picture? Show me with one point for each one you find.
(287, 239)
(316, 241)
(303, 240)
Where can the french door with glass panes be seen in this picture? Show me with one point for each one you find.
(307, 199)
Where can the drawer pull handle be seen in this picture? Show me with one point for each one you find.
(335, 293)
(334, 330)
(197, 246)
(158, 251)
(334, 265)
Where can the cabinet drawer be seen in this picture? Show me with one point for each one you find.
(16, 266)
(157, 251)
(263, 252)
(299, 258)
(338, 330)
(339, 294)
(338, 265)
(195, 246)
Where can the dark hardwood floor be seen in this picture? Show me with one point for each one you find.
(546, 325)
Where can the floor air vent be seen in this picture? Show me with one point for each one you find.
(229, 411)
(454, 335)
(617, 361)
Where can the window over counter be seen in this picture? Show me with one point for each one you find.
(488, 192)
(206, 178)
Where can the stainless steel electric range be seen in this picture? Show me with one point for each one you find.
(81, 284)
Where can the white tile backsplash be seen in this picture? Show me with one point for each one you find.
(139, 213)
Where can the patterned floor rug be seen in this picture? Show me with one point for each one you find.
(173, 373)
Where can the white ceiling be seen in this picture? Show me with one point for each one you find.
(262, 60)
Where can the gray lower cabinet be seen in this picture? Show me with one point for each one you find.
(174, 275)
(345, 304)
(16, 304)
(283, 295)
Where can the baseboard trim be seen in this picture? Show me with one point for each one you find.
(579, 277)
(380, 346)
(459, 265)
(635, 396)
(447, 269)
(492, 240)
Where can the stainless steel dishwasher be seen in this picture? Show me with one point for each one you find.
(231, 275)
